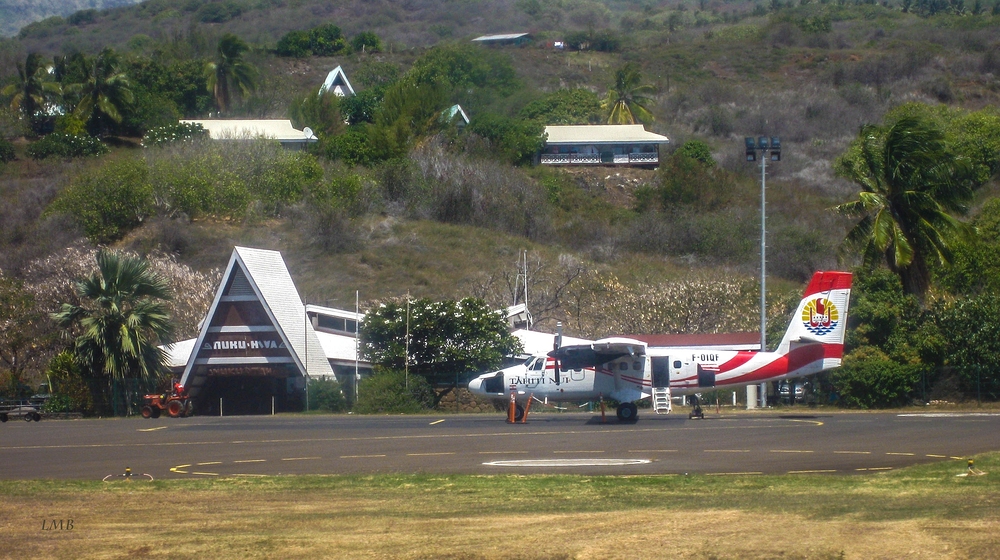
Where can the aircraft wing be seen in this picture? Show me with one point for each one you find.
(579, 356)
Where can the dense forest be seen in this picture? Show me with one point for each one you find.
(886, 113)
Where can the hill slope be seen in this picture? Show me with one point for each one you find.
(15, 14)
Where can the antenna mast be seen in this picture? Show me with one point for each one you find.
(522, 273)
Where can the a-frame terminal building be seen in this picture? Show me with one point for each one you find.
(256, 345)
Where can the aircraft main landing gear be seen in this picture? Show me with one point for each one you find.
(627, 412)
(696, 411)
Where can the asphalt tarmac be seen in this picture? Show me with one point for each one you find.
(572, 443)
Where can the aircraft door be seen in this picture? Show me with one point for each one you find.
(706, 378)
(661, 371)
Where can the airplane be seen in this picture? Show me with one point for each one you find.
(626, 370)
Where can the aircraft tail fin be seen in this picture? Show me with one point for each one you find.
(821, 316)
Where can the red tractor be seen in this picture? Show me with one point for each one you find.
(176, 404)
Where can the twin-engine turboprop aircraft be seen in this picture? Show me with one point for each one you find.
(627, 370)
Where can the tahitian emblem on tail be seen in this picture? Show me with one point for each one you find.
(820, 316)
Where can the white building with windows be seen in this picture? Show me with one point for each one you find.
(602, 144)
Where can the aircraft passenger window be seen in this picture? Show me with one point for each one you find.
(677, 364)
(637, 366)
(623, 366)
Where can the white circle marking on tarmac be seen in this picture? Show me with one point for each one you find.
(568, 463)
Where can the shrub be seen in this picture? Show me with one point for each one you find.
(294, 44)
(71, 124)
(466, 67)
(325, 40)
(516, 140)
(180, 132)
(227, 179)
(69, 391)
(320, 112)
(326, 395)
(565, 106)
(6, 151)
(698, 150)
(483, 193)
(366, 41)
(108, 202)
(869, 379)
(353, 148)
(328, 209)
(393, 392)
(67, 145)
(219, 12)
(972, 327)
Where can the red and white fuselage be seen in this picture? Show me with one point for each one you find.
(627, 370)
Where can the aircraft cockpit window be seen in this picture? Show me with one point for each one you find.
(528, 362)
(539, 364)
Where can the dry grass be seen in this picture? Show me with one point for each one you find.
(923, 512)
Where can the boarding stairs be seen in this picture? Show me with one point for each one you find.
(661, 400)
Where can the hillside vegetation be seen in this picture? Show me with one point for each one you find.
(15, 14)
(393, 200)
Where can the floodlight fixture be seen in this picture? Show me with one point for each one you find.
(775, 148)
(751, 148)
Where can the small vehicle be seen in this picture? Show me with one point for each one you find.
(786, 389)
(25, 409)
(176, 404)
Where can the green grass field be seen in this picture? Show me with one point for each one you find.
(920, 512)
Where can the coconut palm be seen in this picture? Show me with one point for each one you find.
(120, 320)
(912, 187)
(229, 72)
(34, 84)
(105, 91)
(628, 99)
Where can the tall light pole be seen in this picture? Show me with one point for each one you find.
(763, 146)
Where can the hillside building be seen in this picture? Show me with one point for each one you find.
(606, 144)
(274, 129)
(337, 83)
(516, 39)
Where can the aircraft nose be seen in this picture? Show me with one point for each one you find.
(476, 386)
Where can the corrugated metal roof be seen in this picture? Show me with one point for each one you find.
(235, 129)
(178, 353)
(267, 271)
(501, 37)
(602, 134)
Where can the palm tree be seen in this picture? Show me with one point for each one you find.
(121, 319)
(230, 72)
(105, 91)
(628, 98)
(912, 185)
(30, 93)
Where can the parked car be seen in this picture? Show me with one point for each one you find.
(798, 389)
